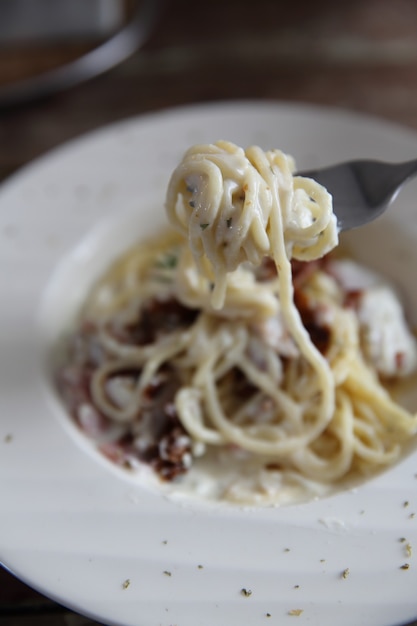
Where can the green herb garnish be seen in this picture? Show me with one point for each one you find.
(168, 262)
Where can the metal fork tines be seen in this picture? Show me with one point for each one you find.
(362, 189)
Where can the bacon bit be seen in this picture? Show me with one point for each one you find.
(157, 317)
(273, 466)
(174, 462)
(320, 334)
(352, 298)
(239, 385)
(73, 384)
(90, 420)
(114, 452)
(168, 450)
(399, 360)
(266, 271)
(303, 270)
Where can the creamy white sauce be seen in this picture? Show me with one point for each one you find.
(387, 341)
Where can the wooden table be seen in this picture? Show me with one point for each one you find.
(360, 55)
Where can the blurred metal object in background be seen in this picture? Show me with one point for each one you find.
(40, 21)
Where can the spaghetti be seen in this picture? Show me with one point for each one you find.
(236, 342)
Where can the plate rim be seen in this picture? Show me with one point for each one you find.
(200, 109)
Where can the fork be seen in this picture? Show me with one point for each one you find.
(363, 189)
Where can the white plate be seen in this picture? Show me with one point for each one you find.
(74, 527)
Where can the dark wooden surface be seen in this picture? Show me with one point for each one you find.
(360, 55)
